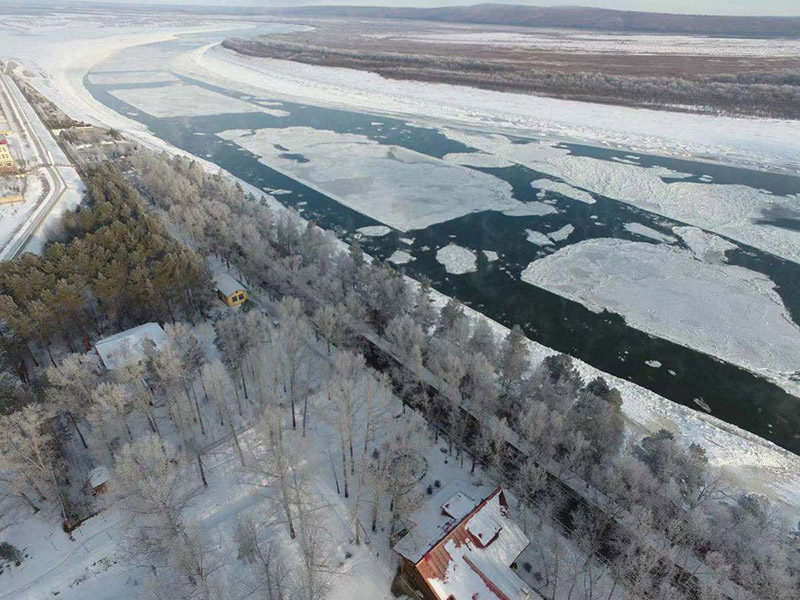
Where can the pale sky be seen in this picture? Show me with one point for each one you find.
(718, 7)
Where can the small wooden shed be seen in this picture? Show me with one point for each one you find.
(98, 481)
(229, 290)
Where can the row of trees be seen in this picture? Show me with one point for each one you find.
(574, 424)
(116, 266)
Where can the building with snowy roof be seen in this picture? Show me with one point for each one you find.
(127, 347)
(229, 290)
(464, 546)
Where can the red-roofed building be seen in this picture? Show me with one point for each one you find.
(460, 548)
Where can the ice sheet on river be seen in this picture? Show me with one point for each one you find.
(187, 100)
(736, 211)
(727, 311)
(402, 188)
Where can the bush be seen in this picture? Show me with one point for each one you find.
(10, 553)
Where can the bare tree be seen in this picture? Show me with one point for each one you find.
(28, 458)
(72, 382)
(291, 341)
(219, 387)
(150, 483)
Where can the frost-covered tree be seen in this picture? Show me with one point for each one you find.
(28, 458)
(513, 361)
(152, 487)
(71, 385)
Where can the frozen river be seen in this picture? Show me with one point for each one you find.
(711, 321)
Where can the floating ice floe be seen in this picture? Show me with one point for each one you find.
(477, 159)
(729, 312)
(531, 209)
(559, 235)
(649, 232)
(400, 187)
(538, 238)
(457, 260)
(564, 189)
(653, 363)
(491, 255)
(374, 230)
(400, 257)
(706, 246)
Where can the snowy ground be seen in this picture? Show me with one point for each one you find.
(72, 197)
(12, 216)
(400, 187)
(727, 311)
(562, 40)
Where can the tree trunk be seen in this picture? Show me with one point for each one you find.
(78, 429)
(202, 470)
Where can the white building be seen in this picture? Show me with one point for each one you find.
(127, 347)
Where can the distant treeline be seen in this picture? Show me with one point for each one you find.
(570, 17)
(774, 94)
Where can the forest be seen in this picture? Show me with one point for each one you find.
(340, 367)
(116, 266)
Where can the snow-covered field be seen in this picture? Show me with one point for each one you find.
(723, 310)
(400, 187)
(562, 40)
(12, 216)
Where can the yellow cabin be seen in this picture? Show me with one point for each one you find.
(230, 291)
